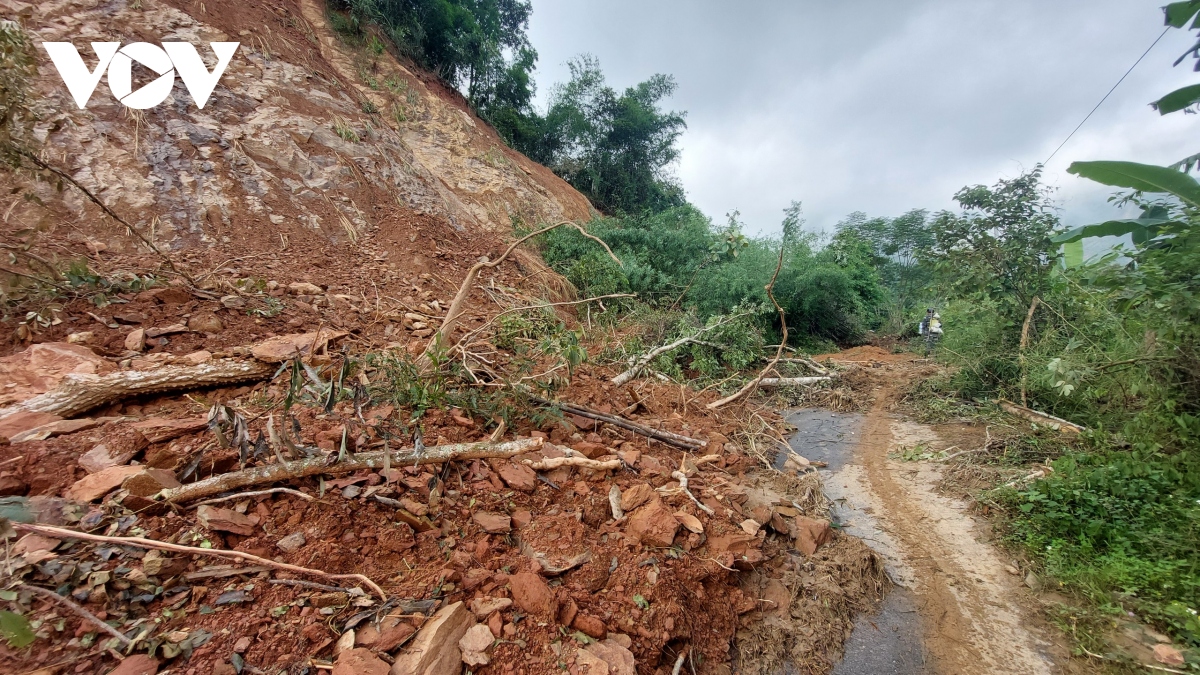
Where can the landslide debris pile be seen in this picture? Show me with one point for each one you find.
(225, 456)
(566, 567)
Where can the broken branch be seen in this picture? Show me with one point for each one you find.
(642, 361)
(64, 533)
(683, 485)
(753, 384)
(458, 305)
(255, 493)
(271, 473)
(92, 618)
(677, 440)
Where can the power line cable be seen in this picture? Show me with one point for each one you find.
(1110, 91)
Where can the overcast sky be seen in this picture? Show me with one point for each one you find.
(883, 106)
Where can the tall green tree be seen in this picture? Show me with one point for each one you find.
(1000, 245)
(616, 148)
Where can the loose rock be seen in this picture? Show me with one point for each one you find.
(292, 542)
(359, 661)
(434, 651)
(93, 487)
(636, 496)
(224, 520)
(652, 524)
(493, 523)
(531, 594)
(474, 645)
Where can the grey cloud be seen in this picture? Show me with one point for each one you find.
(884, 106)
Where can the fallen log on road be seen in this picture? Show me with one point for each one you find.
(270, 473)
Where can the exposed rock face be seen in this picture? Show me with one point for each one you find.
(264, 150)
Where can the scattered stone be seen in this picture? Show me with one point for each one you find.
(242, 644)
(521, 518)
(1012, 570)
(483, 607)
(232, 302)
(150, 481)
(82, 337)
(138, 664)
(129, 318)
(41, 367)
(568, 612)
(493, 523)
(1033, 582)
(750, 526)
(59, 428)
(292, 542)
(19, 423)
(392, 637)
(590, 626)
(475, 643)
(531, 594)
(652, 524)
(584, 423)
(205, 322)
(414, 507)
(692, 523)
(93, 487)
(516, 476)
(590, 450)
(115, 451)
(331, 599)
(636, 496)
(158, 429)
(496, 624)
(11, 486)
(304, 288)
(172, 295)
(359, 661)
(812, 534)
(196, 358)
(224, 520)
(1168, 655)
(606, 658)
(345, 643)
(434, 650)
(283, 347)
(159, 331)
(366, 636)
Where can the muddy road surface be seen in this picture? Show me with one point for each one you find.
(957, 607)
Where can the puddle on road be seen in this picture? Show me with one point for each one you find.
(888, 641)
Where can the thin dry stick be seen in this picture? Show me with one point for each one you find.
(753, 384)
(987, 432)
(255, 493)
(51, 595)
(64, 533)
(1025, 343)
(683, 485)
(458, 305)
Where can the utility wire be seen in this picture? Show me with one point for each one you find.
(1110, 91)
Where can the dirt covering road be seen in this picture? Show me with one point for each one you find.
(973, 612)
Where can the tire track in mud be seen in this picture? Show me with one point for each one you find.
(974, 616)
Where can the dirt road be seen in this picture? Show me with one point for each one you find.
(974, 614)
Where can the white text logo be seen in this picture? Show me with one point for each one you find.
(166, 61)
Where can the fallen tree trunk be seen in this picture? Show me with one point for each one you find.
(791, 381)
(270, 473)
(677, 440)
(642, 361)
(1038, 417)
(80, 393)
